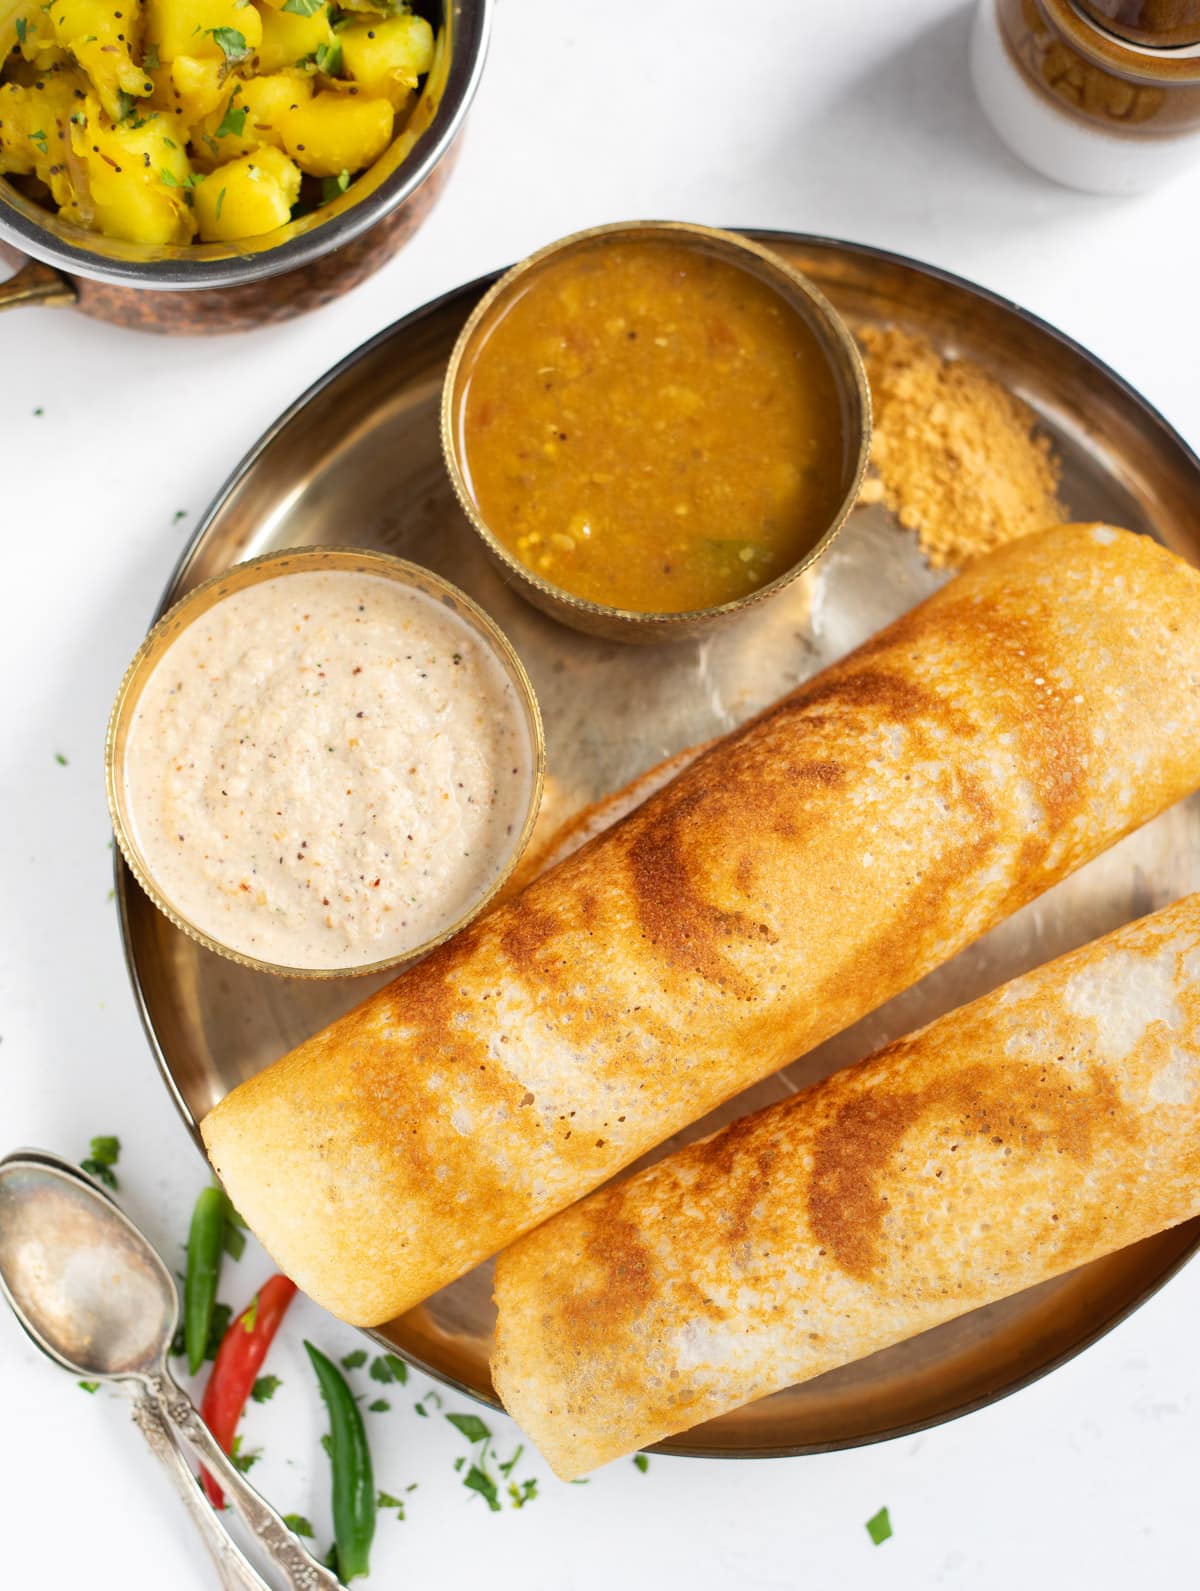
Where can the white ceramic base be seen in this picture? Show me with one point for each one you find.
(1051, 140)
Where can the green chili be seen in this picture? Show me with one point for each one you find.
(203, 1273)
(350, 1459)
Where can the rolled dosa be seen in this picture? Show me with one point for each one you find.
(798, 874)
(1051, 1122)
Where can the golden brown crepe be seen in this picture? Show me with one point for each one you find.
(795, 876)
(1047, 1124)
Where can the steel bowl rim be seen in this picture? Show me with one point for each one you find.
(851, 382)
(178, 273)
(122, 879)
(278, 565)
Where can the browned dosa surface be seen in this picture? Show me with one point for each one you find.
(795, 876)
(1040, 1127)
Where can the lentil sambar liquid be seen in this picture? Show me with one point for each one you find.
(652, 428)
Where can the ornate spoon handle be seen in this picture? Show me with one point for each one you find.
(302, 1570)
(235, 1569)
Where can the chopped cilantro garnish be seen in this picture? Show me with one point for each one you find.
(327, 1444)
(125, 104)
(22, 29)
(39, 410)
(39, 138)
(327, 58)
(298, 1525)
(387, 1367)
(104, 1152)
(182, 513)
(386, 1500)
(150, 58)
(220, 202)
(244, 1461)
(234, 119)
(331, 187)
(265, 1388)
(355, 1360)
(304, 8)
(380, 1406)
(641, 1462)
(60, 759)
(471, 1426)
(509, 1465)
(524, 1493)
(230, 42)
(89, 1386)
(879, 1527)
(477, 1481)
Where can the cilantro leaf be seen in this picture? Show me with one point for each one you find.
(233, 1238)
(331, 187)
(220, 202)
(244, 1461)
(234, 120)
(60, 759)
(471, 1426)
(265, 1388)
(477, 1481)
(304, 8)
(125, 104)
(355, 1360)
(380, 1406)
(509, 1465)
(386, 1500)
(106, 1149)
(298, 1525)
(90, 1386)
(525, 1493)
(22, 29)
(230, 42)
(38, 138)
(387, 1367)
(150, 58)
(101, 1172)
(641, 1462)
(327, 58)
(879, 1527)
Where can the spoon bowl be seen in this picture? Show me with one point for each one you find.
(82, 1280)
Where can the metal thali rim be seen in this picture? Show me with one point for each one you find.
(124, 882)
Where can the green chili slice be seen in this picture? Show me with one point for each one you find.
(350, 1459)
(203, 1273)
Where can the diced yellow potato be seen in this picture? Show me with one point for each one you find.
(251, 114)
(247, 197)
(223, 30)
(138, 176)
(35, 124)
(335, 133)
(103, 36)
(36, 38)
(196, 86)
(388, 57)
(288, 38)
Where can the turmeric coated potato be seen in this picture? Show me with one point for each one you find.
(387, 57)
(102, 36)
(163, 121)
(247, 197)
(225, 30)
(335, 133)
(288, 39)
(138, 175)
(250, 114)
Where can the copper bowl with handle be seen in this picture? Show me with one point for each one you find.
(217, 287)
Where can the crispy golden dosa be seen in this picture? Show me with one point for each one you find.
(1049, 1123)
(795, 876)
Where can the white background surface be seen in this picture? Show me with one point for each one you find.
(853, 119)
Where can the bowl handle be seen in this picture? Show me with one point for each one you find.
(36, 283)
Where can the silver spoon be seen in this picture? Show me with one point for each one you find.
(92, 1294)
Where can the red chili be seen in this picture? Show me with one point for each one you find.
(239, 1359)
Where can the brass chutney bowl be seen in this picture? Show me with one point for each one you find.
(270, 566)
(800, 294)
(218, 287)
